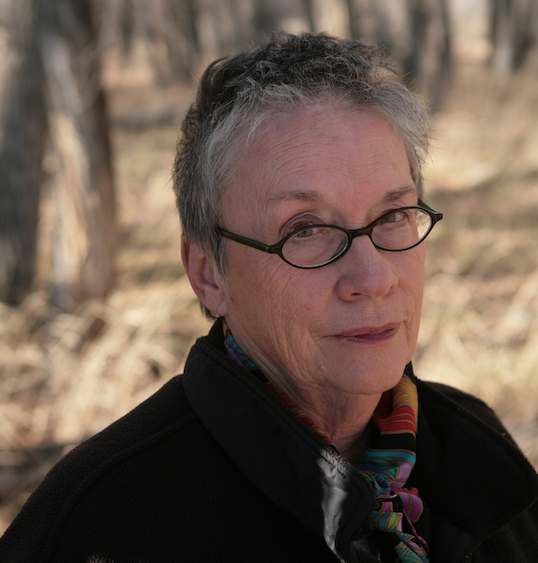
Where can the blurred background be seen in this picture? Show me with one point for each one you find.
(95, 310)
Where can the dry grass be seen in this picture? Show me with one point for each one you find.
(64, 377)
(480, 316)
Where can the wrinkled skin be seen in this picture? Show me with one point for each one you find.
(336, 337)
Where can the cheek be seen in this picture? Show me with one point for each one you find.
(255, 282)
(420, 272)
(412, 270)
(288, 297)
(412, 281)
(269, 291)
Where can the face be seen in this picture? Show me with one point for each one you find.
(349, 327)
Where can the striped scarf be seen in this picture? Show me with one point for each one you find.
(399, 513)
(387, 464)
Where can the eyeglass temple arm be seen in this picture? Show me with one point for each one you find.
(437, 215)
(249, 242)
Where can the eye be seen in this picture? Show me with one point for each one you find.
(306, 232)
(301, 226)
(309, 234)
(396, 216)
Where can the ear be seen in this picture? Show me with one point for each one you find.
(204, 277)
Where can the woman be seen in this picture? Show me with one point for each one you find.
(298, 431)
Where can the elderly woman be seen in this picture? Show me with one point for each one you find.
(298, 431)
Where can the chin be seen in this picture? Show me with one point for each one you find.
(376, 375)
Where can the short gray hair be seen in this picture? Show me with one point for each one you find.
(237, 95)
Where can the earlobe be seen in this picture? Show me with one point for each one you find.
(204, 277)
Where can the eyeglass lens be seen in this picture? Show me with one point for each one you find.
(313, 246)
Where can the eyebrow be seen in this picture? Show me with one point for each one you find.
(308, 196)
(401, 192)
(311, 196)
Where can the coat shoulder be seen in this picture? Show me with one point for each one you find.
(45, 513)
(463, 403)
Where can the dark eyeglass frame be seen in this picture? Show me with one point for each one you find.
(276, 248)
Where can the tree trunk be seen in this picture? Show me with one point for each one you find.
(354, 19)
(429, 66)
(513, 33)
(502, 23)
(83, 190)
(24, 125)
(416, 34)
(181, 39)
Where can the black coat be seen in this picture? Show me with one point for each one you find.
(214, 467)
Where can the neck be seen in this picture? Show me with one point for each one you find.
(348, 427)
(351, 448)
(345, 419)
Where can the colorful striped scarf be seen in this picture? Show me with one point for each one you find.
(399, 514)
(387, 464)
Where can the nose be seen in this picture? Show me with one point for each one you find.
(366, 271)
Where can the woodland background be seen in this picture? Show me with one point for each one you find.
(95, 310)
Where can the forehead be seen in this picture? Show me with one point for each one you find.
(318, 154)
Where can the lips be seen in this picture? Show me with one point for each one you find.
(370, 334)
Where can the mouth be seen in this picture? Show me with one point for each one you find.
(369, 335)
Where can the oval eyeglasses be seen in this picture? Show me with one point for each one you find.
(316, 245)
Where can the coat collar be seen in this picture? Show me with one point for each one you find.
(271, 447)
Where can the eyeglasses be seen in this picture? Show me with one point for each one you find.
(314, 246)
